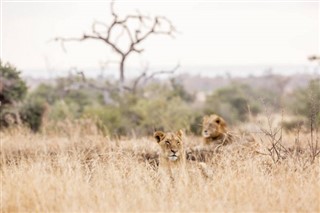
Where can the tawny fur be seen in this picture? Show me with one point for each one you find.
(172, 155)
(216, 134)
(215, 131)
(172, 159)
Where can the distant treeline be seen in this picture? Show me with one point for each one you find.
(140, 109)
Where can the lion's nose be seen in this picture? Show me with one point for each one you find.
(205, 131)
(174, 151)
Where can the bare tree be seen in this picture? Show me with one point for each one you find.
(314, 58)
(146, 27)
(145, 76)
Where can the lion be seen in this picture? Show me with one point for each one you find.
(215, 130)
(216, 134)
(172, 150)
(173, 156)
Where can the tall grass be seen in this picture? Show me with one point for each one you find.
(85, 172)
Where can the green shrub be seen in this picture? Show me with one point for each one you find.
(178, 90)
(12, 87)
(109, 119)
(234, 102)
(155, 108)
(306, 101)
(159, 113)
(32, 113)
(12, 91)
(46, 93)
(9, 116)
(196, 122)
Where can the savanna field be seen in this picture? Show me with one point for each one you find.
(159, 106)
(81, 170)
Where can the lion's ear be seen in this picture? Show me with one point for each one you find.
(158, 135)
(205, 118)
(180, 133)
(223, 123)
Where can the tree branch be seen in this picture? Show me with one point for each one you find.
(161, 72)
(136, 35)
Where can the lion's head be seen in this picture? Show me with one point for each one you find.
(171, 145)
(213, 127)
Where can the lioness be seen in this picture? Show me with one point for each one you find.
(172, 152)
(173, 157)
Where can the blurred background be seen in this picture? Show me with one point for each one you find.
(129, 67)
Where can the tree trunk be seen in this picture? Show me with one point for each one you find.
(122, 70)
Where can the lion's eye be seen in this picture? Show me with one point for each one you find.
(167, 142)
(178, 143)
(217, 121)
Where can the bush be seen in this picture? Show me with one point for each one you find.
(156, 108)
(178, 90)
(32, 113)
(306, 101)
(12, 88)
(9, 116)
(196, 122)
(12, 91)
(109, 119)
(234, 102)
(67, 100)
(159, 113)
(46, 93)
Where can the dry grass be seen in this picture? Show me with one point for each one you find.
(91, 173)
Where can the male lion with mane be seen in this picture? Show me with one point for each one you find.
(215, 130)
(215, 134)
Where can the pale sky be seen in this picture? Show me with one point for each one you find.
(212, 33)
